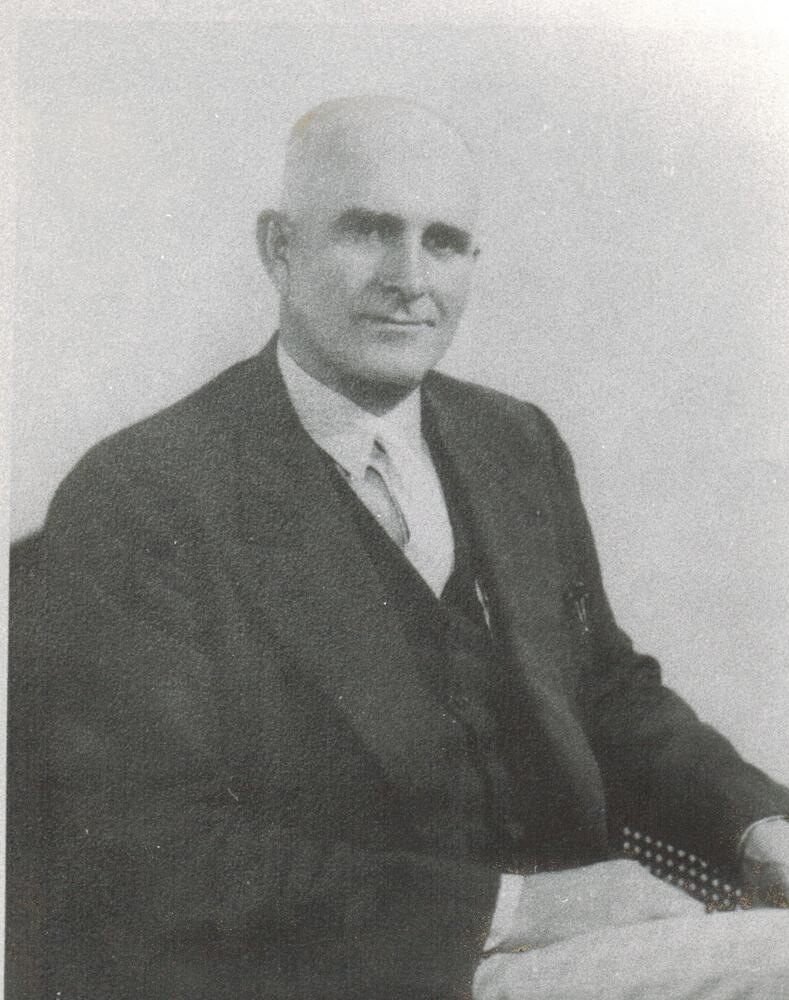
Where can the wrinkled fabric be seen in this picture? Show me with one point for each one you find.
(725, 956)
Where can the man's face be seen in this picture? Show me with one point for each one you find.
(380, 264)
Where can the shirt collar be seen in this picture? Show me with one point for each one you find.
(341, 428)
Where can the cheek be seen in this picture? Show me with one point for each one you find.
(454, 290)
(351, 270)
(337, 281)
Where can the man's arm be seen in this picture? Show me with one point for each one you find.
(664, 771)
(161, 883)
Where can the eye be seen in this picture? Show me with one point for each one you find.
(369, 229)
(446, 241)
(364, 228)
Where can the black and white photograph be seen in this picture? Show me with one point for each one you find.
(398, 528)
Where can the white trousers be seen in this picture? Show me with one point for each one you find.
(725, 956)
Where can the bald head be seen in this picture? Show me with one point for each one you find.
(339, 149)
(373, 247)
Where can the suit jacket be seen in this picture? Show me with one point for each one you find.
(241, 746)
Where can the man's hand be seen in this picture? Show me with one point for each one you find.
(765, 862)
(559, 905)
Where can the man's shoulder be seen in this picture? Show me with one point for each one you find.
(202, 419)
(214, 407)
(185, 441)
(491, 409)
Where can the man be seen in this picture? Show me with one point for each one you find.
(338, 706)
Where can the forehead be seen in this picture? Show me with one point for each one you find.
(413, 168)
(409, 186)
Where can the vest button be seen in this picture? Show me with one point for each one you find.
(472, 741)
(514, 829)
(458, 703)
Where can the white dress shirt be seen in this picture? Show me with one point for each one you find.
(346, 432)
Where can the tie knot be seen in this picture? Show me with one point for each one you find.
(393, 448)
(381, 455)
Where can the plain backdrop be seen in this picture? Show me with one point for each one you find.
(633, 280)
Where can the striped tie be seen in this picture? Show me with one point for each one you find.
(380, 496)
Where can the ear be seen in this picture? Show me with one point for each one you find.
(273, 235)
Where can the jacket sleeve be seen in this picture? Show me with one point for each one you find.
(664, 771)
(160, 883)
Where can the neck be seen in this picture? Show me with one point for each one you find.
(375, 397)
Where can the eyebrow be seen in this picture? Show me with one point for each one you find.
(456, 237)
(361, 218)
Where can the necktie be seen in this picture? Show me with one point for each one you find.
(381, 495)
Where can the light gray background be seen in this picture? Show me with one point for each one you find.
(633, 280)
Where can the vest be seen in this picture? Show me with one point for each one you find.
(473, 811)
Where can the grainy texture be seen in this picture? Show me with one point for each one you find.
(247, 765)
(632, 280)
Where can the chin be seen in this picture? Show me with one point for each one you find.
(397, 368)
(402, 377)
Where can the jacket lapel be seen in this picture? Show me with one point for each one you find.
(509, 509)
(310, 577)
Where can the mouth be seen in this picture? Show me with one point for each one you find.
(399, 321)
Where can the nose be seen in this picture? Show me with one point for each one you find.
(404, 267)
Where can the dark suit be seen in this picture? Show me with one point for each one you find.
(242, 742)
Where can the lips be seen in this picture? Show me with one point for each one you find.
(403, 321)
